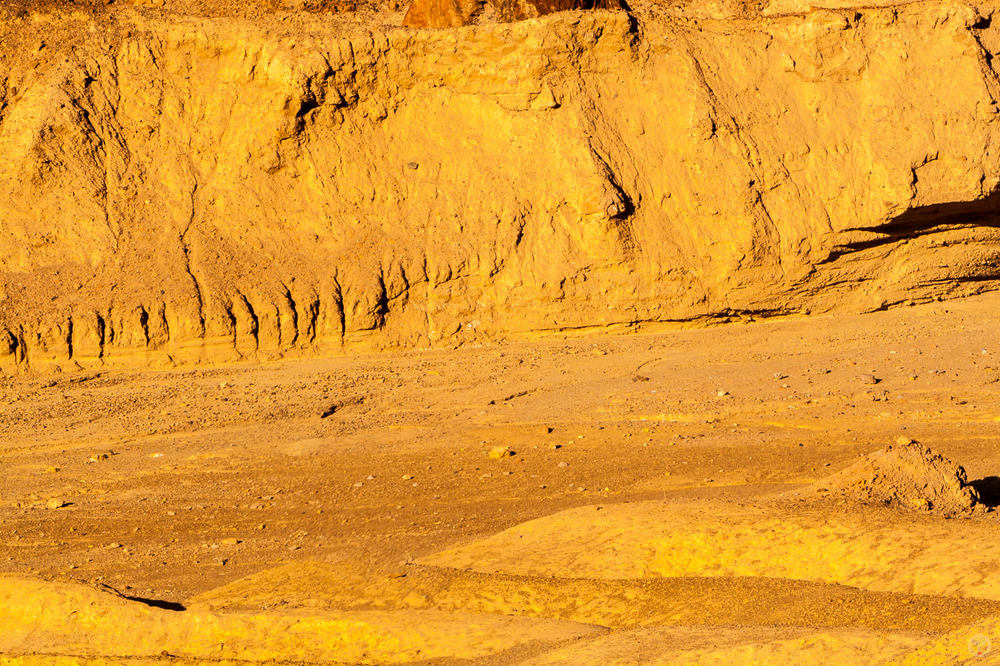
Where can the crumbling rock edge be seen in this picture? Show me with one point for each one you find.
(184, 190)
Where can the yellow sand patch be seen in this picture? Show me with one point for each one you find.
(728, 646)
(618, 604)
(886, 551)
(977, 643)
(66, 619)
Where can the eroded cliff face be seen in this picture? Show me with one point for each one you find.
(179, 189)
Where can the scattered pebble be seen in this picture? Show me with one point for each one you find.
(407, 477)
(563, 464)
(722, 393)
(870, 379)
(55, 503)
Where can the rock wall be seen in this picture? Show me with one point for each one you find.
(454, 13)
(178, 189)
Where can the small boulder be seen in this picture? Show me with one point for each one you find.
(498, 452)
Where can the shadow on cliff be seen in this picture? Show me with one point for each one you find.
(925, 220)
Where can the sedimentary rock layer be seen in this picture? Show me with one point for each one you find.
(181, 189)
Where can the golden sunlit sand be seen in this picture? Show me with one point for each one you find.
(502, 332)
(215, 514)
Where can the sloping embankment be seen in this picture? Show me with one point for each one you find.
(179, 189)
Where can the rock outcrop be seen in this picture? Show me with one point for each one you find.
(180, 188)
(454, 13)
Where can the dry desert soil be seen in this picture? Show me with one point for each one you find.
(665, 334)
(650, 508)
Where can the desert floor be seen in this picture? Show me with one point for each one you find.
(361, 485)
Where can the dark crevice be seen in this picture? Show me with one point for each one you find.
(338, 302)
(293, 306)
(101, 332)
(306, 106)
(144, 323)
(381, 309)
(69, 338)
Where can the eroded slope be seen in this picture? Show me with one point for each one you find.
(179, 188)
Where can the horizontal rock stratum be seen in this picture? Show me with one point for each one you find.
(180, 189)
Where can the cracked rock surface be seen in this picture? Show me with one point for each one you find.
(183, 186)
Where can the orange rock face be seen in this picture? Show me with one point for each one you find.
(209, 189)
(454, 13)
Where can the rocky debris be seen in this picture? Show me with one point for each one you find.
(908, 475)
(498, 452)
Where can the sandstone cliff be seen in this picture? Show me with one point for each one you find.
(179, 188)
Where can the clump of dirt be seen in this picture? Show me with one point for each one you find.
(908, 475)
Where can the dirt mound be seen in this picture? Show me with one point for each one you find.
(905, 474)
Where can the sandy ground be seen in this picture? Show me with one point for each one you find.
(171, 484)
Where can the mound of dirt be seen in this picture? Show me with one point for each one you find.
(905, 474)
